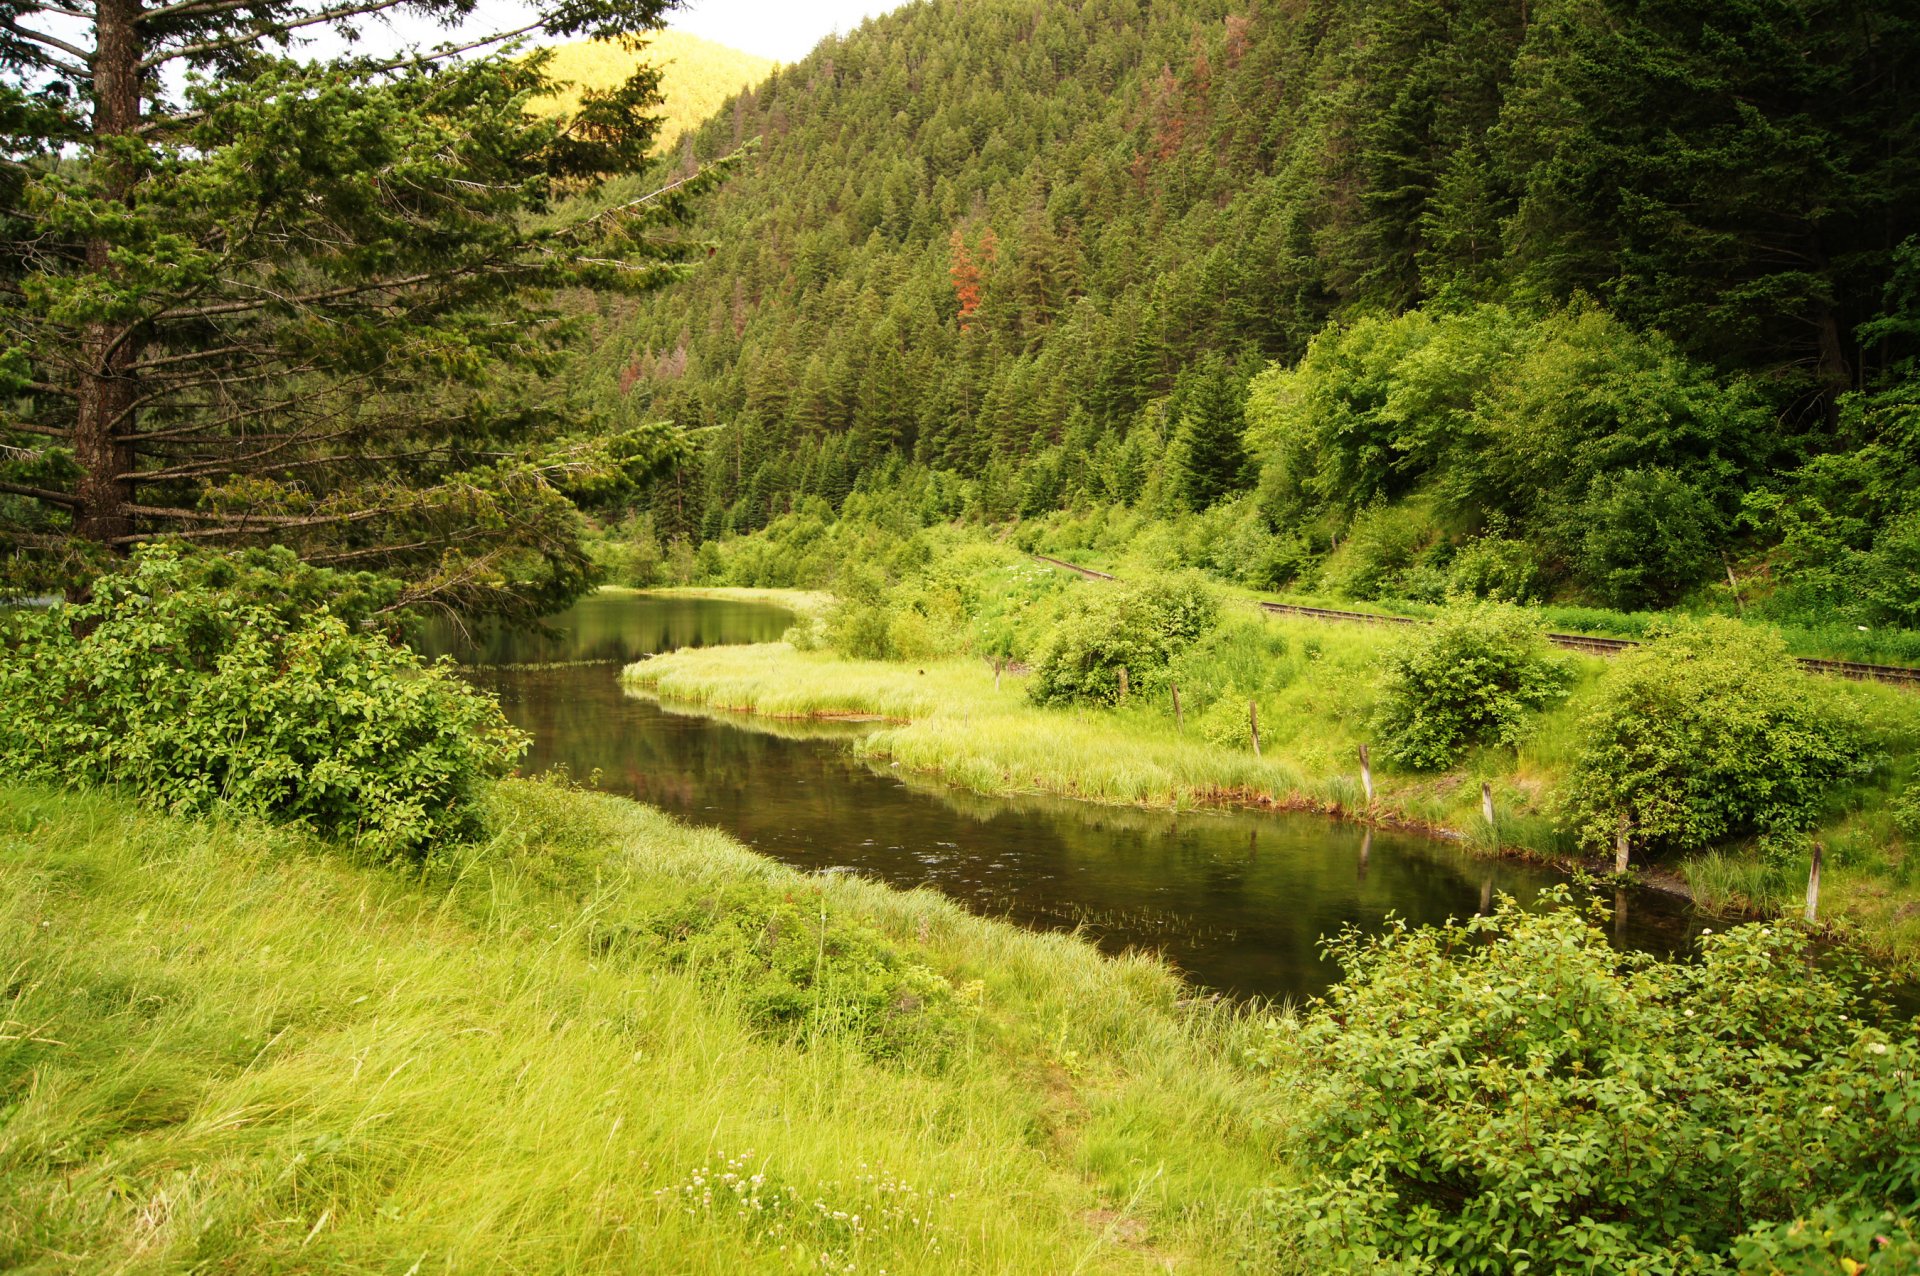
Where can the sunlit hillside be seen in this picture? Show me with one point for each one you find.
(698, 74)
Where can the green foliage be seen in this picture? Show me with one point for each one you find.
(1650, 536)
(318, 288)
(1832, 1239)
(1137, 627)
(1137, 189)
(1512, 1093)
(1607, 455)
(798, 968)
(1208, 457)
(1498, 568)
(1471, 677)
(1709, 731)
(198, 682)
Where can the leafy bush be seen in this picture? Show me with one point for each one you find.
(795, 967)
(1709, 731)
(196, 681)
(1498, 568)
(1512, 1093)
(1383, 543)
(1226, 721)
(1471, 677)
(1139, 628)
(1650, 536)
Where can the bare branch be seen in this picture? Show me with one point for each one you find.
(266, 30)
(40, 494)
(51, 42)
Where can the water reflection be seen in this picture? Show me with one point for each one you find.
(1237, 899)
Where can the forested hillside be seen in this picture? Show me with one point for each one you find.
(696, 75)
(1524, 270)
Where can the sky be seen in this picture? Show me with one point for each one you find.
(781, 29)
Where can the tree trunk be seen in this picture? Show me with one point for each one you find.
(108, 389)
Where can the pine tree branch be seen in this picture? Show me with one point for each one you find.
(266, 30)
(51, 42)
(40, 494)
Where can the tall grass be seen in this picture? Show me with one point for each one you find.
(227, 1049)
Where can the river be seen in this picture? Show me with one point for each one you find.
(1236, 899)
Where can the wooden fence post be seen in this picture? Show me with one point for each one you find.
(1179, 722)
(1813, 887)
(1123, 684)
(1253, 725)
(1486, 805)
(1620, 845)
(1366, 774)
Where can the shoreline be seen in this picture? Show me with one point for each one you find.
(1297, 798)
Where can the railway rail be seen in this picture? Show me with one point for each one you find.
(1895, 675)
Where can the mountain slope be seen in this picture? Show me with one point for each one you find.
(697, 75)
(976, 232)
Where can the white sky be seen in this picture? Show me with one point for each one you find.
(782, 29)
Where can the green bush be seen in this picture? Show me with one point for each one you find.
(1511, 1093)
(1498, 568)
(1650, 536)
(1472, 677)
(794, 967)
(1139, 628)
(1709, 731)
(196, 681)
(1383, 543)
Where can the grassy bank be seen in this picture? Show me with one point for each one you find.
(1316, 688)
(227, 1048)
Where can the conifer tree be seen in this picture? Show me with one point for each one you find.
(1209, 456)
(247, 293)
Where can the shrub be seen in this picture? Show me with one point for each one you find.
(196, 681)
(794, 967)
(1472, 677)
(1650, 536)
(1511, 1093)
(860, 624)
(1382, 544)
(1226, 721)
(1498, 568)
(1139, 628)
(1709, 731)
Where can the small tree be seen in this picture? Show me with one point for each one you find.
(1471, 678)
(1139, 628)
(1209, 455)
(1709, 731)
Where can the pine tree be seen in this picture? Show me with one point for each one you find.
(1208, 452)
(250, 295)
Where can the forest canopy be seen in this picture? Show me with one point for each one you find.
(1049, 247)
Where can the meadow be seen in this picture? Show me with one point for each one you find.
(596, 1041)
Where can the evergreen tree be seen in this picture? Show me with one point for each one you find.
(253, 295)
(1208, 453)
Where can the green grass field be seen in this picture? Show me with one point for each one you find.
(230, 1049)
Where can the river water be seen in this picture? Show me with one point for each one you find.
(1237, 900)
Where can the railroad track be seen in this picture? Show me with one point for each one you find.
(1895, 675)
